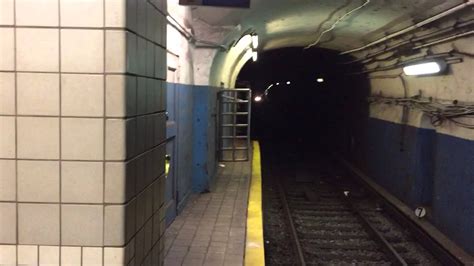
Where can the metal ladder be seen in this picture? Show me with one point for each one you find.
(233, 125)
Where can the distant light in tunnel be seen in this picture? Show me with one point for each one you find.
(425, 68)
(254, 41)
(288, 82)
(254, 56)
(258, 98)
(320, 80)
(278, 83)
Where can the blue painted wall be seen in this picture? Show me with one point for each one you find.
(422, 167)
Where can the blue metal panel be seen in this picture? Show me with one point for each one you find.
(204, 137)
(184, 120)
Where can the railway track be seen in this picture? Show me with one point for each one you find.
(332, 221)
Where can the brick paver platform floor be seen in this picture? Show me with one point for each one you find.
(211, 228)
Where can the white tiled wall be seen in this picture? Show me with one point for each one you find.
(82, 126)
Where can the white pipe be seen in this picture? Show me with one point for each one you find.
(413, 27)
(444, 40)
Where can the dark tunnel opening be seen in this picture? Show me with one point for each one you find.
(315, 101)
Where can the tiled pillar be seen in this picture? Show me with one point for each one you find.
(82, 126)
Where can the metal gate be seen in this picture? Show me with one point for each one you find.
(233, 125)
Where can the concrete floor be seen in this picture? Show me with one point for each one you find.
(211, 229)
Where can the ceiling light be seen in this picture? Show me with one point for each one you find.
(254, 41)
(288, 83)
(254, 56)
(320, 80)
(258, 98)
(424, 68)
(278, 83)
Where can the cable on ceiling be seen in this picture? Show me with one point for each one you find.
(335, 24)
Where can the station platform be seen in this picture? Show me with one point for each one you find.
(211, 230)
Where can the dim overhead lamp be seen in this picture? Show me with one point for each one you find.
(257, 98)
(254, 41)
(424, 68)
(288, 82)
(320, 80)
(278, 83)
(254, 56)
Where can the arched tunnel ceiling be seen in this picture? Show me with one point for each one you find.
(294, 23)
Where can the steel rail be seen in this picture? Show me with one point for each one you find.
(390, 251)
(294, 233)
(441, 247)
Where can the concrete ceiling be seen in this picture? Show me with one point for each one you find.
(294, 23)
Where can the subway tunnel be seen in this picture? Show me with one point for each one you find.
(219, 132)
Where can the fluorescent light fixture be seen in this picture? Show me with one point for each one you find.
(288, 82)
(320, 80)
(254, 56)
(258, 98)
(254, 41)
(424, 68)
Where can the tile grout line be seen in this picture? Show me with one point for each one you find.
(17, 238)
(60, 133)
(104, 124)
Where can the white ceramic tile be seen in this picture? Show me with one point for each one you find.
(82, 50)
(38, 137)
(38, 224)
(7, 137)
(132, 59)
(141, 17)
(82, 182)
(115, 51)
(115, 13)
(150, 15)
(27, 255)
(119, 139)
(158, 28)
(7, 180)
(7, 93)
(130, 226)
(119, 181)
(37, 12)
(71, 256)
(37, 49)
(48, 255)
(120, 95)
(82, 225)
(141, 56)
(150, 95)
(150, 59)
(7, 49)
(82, 13)
(38, 181)
(38, 94)
(82, 95)
(141, 95)
(159, 60)
(114, 256)
(131, 15)
(7, 12)
(141, 135)
(82, 138)
(91, 256)
(7, 255)
(114, 225)
(8, 223)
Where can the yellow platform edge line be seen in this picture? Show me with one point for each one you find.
(254, 247)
